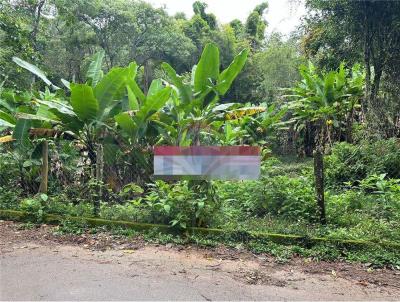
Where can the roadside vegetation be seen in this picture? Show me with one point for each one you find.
(76, 134)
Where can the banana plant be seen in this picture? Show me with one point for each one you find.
(195, 115)
(137, 119)
(11, 104)
(89, 110)
(324, 100)
(88, 113)
(231, 135)
(15, 110)
(137, 126)
(194, 110)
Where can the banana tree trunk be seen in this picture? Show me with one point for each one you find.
(44, 174)
(309, 139)
(319, 169)
(319, 183)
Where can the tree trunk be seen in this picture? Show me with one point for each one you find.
(320, 141)
(375, 88)
(367, 60)
(147, 76)
(99, 178)
(36, 22)
(319, 183)
(309, 134)
(44, 174)
(349, 126)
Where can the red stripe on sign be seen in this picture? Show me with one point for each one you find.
(207, 150)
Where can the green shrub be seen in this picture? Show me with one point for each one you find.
(9, 172)
(54, 206)
(241, 199)
(9, 198)
(351, 163)
(287, 165)
(31, 205)
(375, 196)
(283, 196)
(366, 215)
(34, 207)
(345, 209)
(60, 204)
(181, 205)
(129, 211)
(291, 198)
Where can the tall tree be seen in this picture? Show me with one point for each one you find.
(20, 23)
(364, 30)
(199, 8)
(130, 30)
(256, 25)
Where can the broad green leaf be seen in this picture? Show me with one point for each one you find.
(126, 123)
(329, 88)
(207, 68)
(27, 163)
(227, 77)
(83, 102)
(192, 76)
(153, 104)
(184, 141)
(35, 70)
(223, 107)
(169, 128)
(184, 90)
(112, 86)
(5, 124)
(21, 132)
(94, 71)
(65, 113)
(155, 86)
(44, 112)
(133, 103)
(6, 105)
(273, 119)
(228, 129)
(6, 117)
(136, 90)
(167, 208)
(112, 110)
(34, 117)
(58, 106)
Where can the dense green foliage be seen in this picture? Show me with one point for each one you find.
(350, 163)
(87, 88)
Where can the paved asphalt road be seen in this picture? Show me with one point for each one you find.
(72, 273)
(42, 269)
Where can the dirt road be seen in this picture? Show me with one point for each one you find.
(37, 265)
